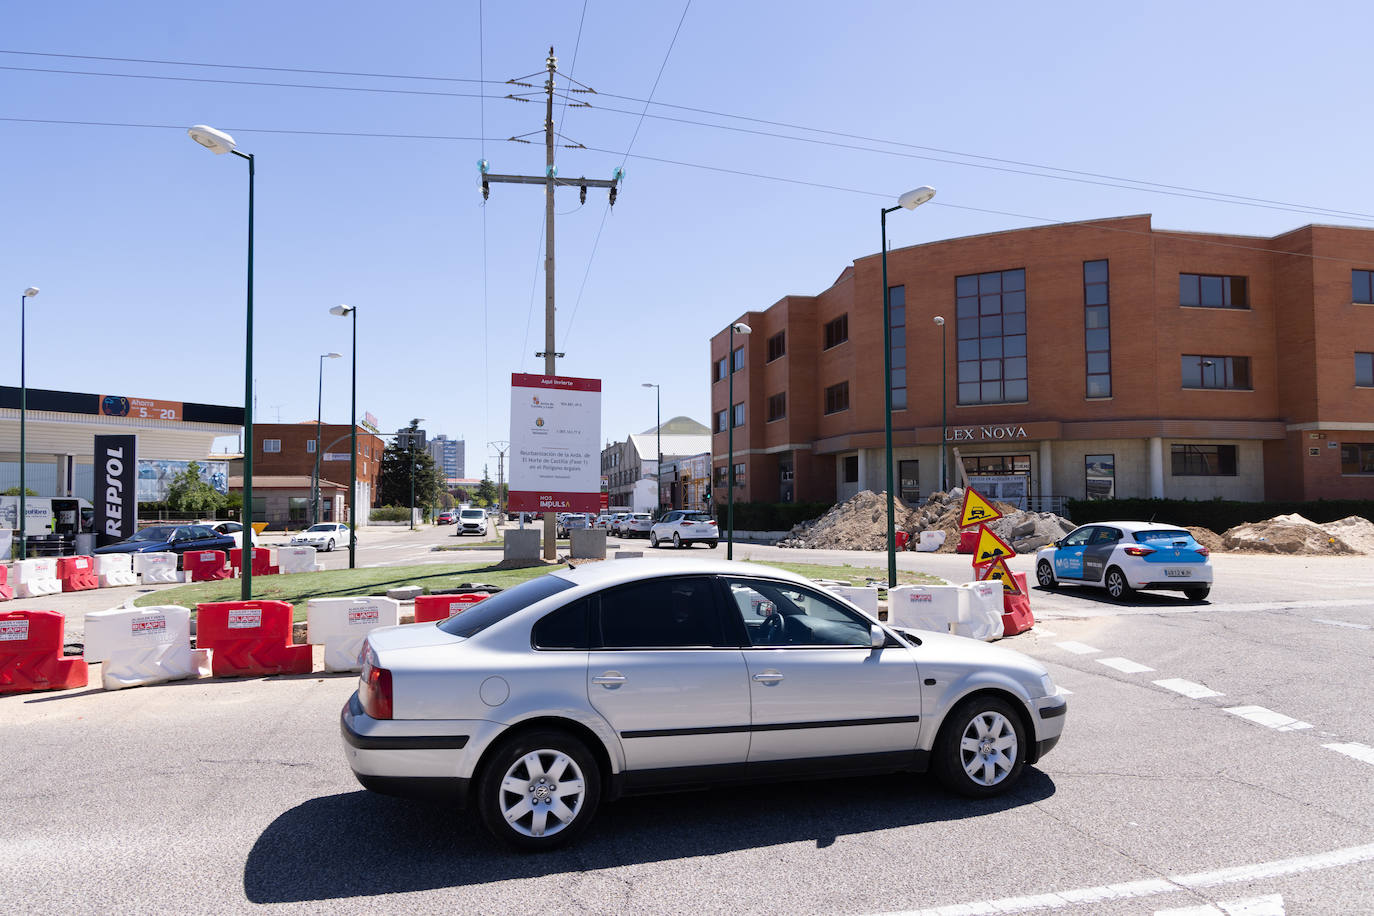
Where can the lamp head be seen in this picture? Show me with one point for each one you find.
(740, 327)
(330, 355)
(216, 141)
(648, 385)
(342, 310)
(913, 199)
(30, 292)
(940, 320)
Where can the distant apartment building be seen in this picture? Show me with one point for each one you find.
(1100, 358)
(448, 455)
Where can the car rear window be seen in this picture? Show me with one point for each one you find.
(696, 517)
(1162, 534)
(501, 605)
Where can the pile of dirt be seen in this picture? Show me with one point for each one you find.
(1293, 534)
(1207, 538)
(859, 523)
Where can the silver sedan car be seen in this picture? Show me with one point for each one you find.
(541, 702)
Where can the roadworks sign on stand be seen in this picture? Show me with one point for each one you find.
(977, 510)
(990, 547)
(997, 569)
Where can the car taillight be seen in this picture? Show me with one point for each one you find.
(374, 688)
(1203, 551)
(1139, 551)
(687, 524)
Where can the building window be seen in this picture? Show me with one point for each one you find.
(310, 446)
(836, 332)
(851, 468)
(720, 476)
(1357, 458)
(1364, 370)
(1203, 460)
(271, 445)
(1212, 292)
(896, 298)
(297, 509)
(739, 474)
(777, 406)
(1099, 476)
(837, 398)
(991, 311)
(1097, 337)
(1362, 286)
(777, 346)
(737, 363)
(720, 369)
(737, 415)
(721, 420)
(1216, 372)
(909, 481)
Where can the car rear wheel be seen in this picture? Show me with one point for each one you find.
(677, 541)
(1044, 574)
(1117, 586)
(1198, 593)
(539, 790)
(978, 752)
(711, 544)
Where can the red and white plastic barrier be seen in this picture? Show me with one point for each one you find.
(6, 593)
(341, 625)
(115, 569)
(262, 561)
(31, 654)
(143, 645)
(36, 578)
(206, 565)
(923, 607)
(77, 574)
(1016, 609)
(156, 567)
(980, 610)
(431, 608)
(865, 596)
(250, 638)
(297, 560)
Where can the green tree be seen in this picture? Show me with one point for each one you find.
(189, 494)
(486, 491)
(393, 484)
(14, 491)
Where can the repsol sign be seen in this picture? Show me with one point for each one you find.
(984, 433)
(116, 488)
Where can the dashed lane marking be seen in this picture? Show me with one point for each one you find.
(1362, 752)
(1268, 905)
(1188, 688)
(1077, 648)
(1268, 718)
(1343, 623)
(1242, 874)
(1124, 665)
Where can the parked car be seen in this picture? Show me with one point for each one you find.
(473, 521)
(171, 539)
(636, 676)
(324, 536)
(1125, 556)
(683, 528)
(603, 521)
(572, 520)
(447, 517)
(232, 529)
(617, 525)
(637, 525)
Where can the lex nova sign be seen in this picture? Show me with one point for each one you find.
(984, 433)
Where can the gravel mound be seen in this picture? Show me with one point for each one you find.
(1293, 534)
(1207, 538)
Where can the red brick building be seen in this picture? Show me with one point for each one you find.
(285, 452)
(1102, 357)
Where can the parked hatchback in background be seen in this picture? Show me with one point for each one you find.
(324, 536)
(637, 525)
(1125, 556)
(447, 517)
(683, 528)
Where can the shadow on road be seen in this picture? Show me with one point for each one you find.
(361, 844)
(1088, 594)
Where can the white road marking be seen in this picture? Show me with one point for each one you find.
(1361, 752)
(1268, 718)
(1077, 648)
(1242, 874)
(1124, 665)
(1343, 623)
(1042, 632)
(1188, 688)
(1268, 905)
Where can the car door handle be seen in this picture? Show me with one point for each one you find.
(768, 677)
(609, 680)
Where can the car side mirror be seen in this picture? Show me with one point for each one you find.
(877, 637)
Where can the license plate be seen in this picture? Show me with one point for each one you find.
(1178, 573)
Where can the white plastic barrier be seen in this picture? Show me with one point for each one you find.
(297, 560)
(156, 567)
(980, 610)
(143, 645)
(340, 625)
(35, 578)
(923, 607)
(930, 541)
(865, 596)
(113, 569)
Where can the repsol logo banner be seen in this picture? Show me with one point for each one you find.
(116, 488)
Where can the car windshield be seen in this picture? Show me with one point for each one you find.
(501, 605)
(1162, 535)
(155, 533)
(319, 528)
(473, 513)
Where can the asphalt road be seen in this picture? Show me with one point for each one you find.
(229, 796)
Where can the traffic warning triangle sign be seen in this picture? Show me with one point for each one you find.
(997, 569)
(976, 509)
(990, 547)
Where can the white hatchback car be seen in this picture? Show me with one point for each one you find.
(472, 521)
(636, 676)
(324, 536)
(683, 528)
(1125, 556)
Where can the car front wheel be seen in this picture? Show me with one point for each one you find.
(1117, 586)
(329, 547)
(979, 749)
(539, 790)
(653, 539)
(1044, 574)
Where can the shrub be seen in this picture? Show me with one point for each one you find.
(390, 514)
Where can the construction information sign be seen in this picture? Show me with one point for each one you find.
(555, 444)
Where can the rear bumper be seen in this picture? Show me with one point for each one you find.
(410, 756)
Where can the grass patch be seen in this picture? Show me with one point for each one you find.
(854, 574)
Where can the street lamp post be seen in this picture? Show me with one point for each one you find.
(319, 410)
(944, 402)
(909, 201)
(414, 425)
(218, 142)
(741, 328)
(658, 430)
(23, 418)
(345, 311)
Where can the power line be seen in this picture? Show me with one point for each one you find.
(260, 130)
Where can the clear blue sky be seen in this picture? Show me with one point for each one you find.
(136, 236)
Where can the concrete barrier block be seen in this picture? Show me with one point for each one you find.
(405, 592)
(588, 543)
(628, 554)
(522, 544)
